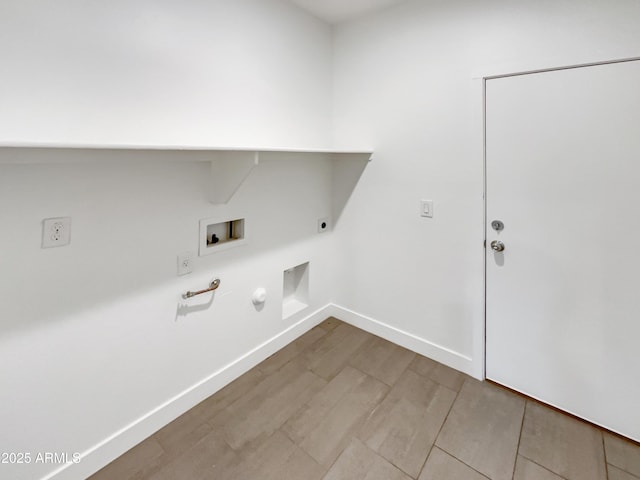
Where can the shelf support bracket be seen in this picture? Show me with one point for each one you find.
(229, 170)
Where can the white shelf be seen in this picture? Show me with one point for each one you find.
(230, 166)
(178, 148)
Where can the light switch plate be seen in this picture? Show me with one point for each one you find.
(426, 208)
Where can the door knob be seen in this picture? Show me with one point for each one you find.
(497, 246)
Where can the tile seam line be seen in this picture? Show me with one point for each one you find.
(461, 461)
(604, 451)
(515, 460)
(435, 441)
(543, 467)
(466, 464)
(624, 471)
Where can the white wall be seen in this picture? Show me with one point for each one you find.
(94, 337)
(248, 72)
(403, 82)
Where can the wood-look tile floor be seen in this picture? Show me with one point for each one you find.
(340, 403)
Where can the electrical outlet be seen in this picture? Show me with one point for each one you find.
(56, 232)
(323, 224)
(185, 263)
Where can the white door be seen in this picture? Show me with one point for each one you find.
(563, 298)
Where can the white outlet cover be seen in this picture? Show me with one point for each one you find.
(185, 263)
(324, 224)
(56, 232)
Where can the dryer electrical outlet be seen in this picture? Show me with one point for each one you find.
(324, 224)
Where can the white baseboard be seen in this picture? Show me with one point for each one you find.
(112, 447)
(419, 345)
(121, 441)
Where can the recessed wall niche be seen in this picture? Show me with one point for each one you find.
(295, 296)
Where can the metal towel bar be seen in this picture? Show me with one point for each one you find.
(212, 286)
